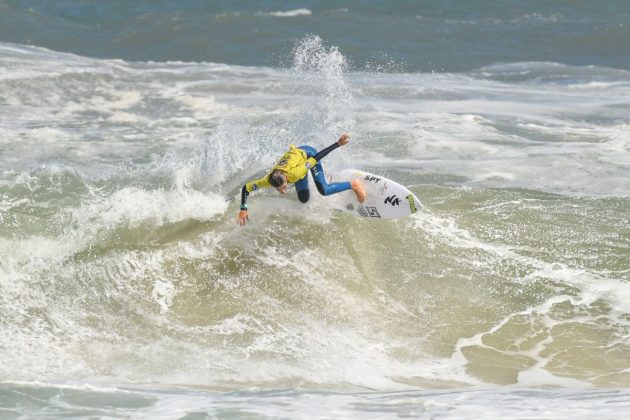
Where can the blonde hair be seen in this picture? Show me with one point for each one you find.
(277, 178)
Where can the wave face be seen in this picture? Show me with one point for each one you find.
(120, 259)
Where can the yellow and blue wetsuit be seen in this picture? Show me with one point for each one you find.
(295, 163)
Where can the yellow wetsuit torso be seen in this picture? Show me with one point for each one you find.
(295, 164)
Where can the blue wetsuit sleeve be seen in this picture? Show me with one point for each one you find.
(322, 153)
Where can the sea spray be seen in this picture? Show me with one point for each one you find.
(120, 261)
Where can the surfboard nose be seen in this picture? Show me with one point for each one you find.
(418, 203)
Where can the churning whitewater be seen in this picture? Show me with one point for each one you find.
(121, 264)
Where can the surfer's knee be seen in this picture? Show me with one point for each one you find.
(304, 195)
(320, 188)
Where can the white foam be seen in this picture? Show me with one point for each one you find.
(291, 13)
(21, 258)
(133, 206)
(163, 292)
(563, 146)
(528, 134)
(120, 100)
(592, 285)
(124, 117)
(199, 124)
(150, 401)
(202, 105)
(538, 376)
(75, 386)
(592, 288)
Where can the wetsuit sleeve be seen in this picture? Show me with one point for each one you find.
(322, 153)
(252, 186)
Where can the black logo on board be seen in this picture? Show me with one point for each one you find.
(393, 200)
(368, 212)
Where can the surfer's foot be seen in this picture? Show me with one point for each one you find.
(358, 189)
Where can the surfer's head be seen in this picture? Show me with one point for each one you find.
(278, 180)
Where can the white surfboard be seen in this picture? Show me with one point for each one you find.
(386, 199)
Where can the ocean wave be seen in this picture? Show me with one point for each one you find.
(291, 13)
(116, 229)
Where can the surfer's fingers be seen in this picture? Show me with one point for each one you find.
(242, 218)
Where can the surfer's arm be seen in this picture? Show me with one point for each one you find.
(252, 186)
(263, 182)
(344, 139)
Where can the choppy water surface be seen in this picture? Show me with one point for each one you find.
(126, 288)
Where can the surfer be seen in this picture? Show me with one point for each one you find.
(293, 167)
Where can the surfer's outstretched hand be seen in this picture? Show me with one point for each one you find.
(243, 217)
(344, 139)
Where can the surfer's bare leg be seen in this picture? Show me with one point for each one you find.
(359, 190)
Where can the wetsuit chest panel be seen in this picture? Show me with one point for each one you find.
(294, 164)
